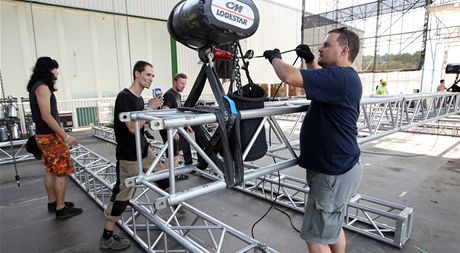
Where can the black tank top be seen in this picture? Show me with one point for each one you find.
(40, 126)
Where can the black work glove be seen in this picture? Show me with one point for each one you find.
(304, 52)
(272, 54)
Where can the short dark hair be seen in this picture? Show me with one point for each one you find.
(180, 75)
(42, 72)
(349, 38)
(442, 80)
(139, 67)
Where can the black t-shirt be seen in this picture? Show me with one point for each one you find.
(40, 126)
(328, 137)
(172, 99)
(126, 144)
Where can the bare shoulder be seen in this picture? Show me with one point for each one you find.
(42, 90)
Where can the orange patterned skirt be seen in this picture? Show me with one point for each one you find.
(55, 154)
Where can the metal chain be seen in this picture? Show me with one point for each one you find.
(236, 67)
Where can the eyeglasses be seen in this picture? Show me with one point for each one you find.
(345, 30)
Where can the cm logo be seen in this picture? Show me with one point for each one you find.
(234, 6)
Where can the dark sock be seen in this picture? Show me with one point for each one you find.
(107, 234)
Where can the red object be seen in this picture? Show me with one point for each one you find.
(222, 54)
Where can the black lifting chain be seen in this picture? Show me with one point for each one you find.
(236, 75)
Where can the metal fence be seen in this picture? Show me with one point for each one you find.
(80, 113)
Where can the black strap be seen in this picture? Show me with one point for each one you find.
(232, 164)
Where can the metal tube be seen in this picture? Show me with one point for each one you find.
(165, 174)
(295, 125)
(174, 118)
(172, 181)
(137, 136)
(254, 137)
(180, 119)
(180, 197)
(281, 134)
(156, 161)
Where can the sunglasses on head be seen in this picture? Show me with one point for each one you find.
(345, 31)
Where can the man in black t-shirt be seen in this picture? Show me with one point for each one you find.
(129, 99)
(173, 99)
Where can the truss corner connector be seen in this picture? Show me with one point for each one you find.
(157, 124)
(125, 116)
(262, 248)
(161, 203)
(131, 182)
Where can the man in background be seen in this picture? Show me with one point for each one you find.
(382, 88)
(173, 99)
(441, 87)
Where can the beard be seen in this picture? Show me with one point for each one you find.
(324, 63)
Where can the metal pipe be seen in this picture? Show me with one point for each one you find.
(283, 137)
(254, 137)
(137, 136)
(172, 181)
(165, 173)
(180, 197)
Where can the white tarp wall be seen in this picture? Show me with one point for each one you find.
(96, 49)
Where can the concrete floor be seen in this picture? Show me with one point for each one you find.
(417, 170)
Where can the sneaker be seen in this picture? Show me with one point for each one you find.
(181, 177)
(163, 184)
(67, 212)
(52, 206)
(115, 242)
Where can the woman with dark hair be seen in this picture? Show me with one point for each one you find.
(50, 136)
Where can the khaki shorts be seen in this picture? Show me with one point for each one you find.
(122, 194)
(55, 154)
(327, 204)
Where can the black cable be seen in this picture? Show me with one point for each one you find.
(261, 56)
(271, 206)
(277, 194)
(290, 219)
(279, 85)
(274, 160)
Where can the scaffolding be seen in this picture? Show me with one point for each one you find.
(401, 41)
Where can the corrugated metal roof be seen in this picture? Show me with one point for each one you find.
(141, 8)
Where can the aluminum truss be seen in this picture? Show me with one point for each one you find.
(14, 152)
(383, 116)
(158, 230)
(381, 220)
(449, 126)
(104, 133)
(378, 219)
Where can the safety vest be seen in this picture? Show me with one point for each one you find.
(381, 90)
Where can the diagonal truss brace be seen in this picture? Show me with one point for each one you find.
(158, 230)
